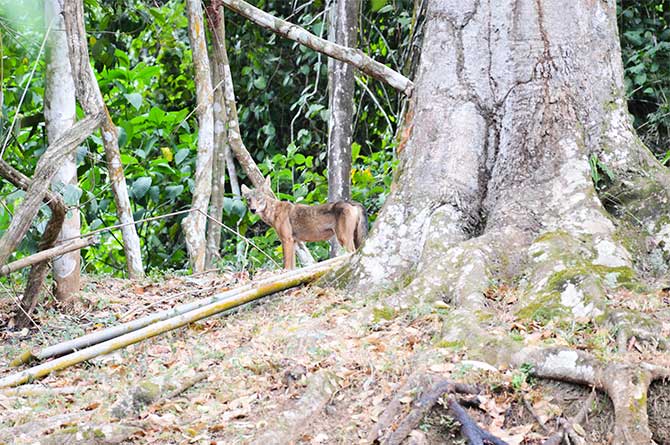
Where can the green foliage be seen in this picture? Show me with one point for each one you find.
(142, 58)
(601, 174)
(645, 44)
(143, 61)
(522, 376)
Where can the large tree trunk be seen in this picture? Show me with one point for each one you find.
(515, 104)
(59, 114)
(194, 225)
(342, 28)
(90, 98)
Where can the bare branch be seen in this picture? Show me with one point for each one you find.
(298, 34)
(47, 254)
(46, 167)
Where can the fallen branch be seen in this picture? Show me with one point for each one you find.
(279, 283)
(298, 34)
(188, 383)
(470, 429)
(42, 424)
(47, 254)
(97, 337)
(426, 402)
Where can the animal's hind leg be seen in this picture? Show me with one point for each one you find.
(345, 231)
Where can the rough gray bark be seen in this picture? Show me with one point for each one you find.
(501, 127)
(194, 225)
(342, 29)
(512, 100)
(90, 98)
(59, 115)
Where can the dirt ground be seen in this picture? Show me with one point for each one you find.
(250, 376)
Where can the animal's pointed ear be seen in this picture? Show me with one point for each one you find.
(268, 183)
(245, 190)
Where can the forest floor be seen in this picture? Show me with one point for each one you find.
(257, 375)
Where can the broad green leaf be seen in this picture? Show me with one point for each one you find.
(260, 83)
(376, 5)
(239, 208)
(141, 186)
(173, 191)
(181, 155)
(135, 99)
(71, 194)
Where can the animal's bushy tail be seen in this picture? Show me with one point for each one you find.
(361, 231)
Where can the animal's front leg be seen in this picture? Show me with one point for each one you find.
(288, 245)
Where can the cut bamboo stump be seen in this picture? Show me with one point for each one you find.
(231, 300)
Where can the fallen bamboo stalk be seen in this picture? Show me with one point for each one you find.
(115, 331)
(270, 286)
(41, 391)
(46, 254)
(352, 56)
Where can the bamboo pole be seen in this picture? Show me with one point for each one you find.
(106, 334)
(46, 254)
(282, 282)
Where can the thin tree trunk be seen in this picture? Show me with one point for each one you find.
(342, 29)
(90, 98)
(219, 163)
(59, 115)
(194, 225)
(234, 135)
(224, 86)
(232, 171)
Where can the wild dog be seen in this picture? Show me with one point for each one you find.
(348, 221)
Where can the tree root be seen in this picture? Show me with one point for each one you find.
(151, 392)
(287, 427)
(568, 426)
(625, 384)
(422, 406)
(470, 430)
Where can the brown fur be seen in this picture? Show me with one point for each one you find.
(298, 222)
